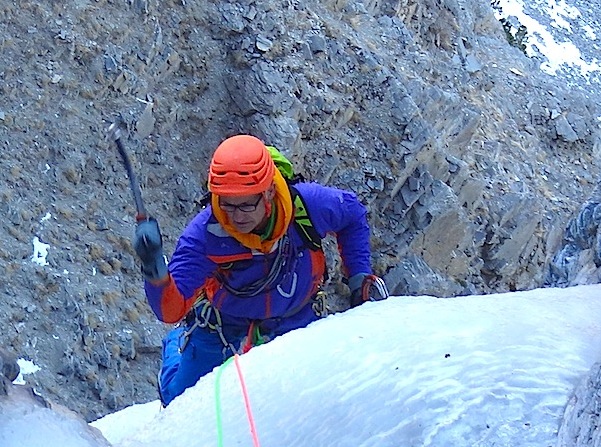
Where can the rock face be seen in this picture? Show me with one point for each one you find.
(579, 259)
(471, 161)
(581, 426)
(9, 371)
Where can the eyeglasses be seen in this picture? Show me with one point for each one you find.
(243, 207)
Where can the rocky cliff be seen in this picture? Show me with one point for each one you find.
(471, 161)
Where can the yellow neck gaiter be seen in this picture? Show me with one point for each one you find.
(283, 204)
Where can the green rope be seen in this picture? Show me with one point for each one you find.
(218, 401)
(258, 339)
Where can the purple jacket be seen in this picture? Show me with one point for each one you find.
(206, 257)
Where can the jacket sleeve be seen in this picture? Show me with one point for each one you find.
(337, 211)
(189, 269)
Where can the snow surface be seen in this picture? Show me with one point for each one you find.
(493, 370)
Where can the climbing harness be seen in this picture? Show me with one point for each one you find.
(203, 315)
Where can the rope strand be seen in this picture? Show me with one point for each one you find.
(218, 402)
(249, 414)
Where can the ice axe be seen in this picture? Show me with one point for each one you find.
(114, 133)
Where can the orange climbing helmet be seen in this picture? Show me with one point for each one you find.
(241, 166)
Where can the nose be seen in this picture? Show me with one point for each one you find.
(238, 213)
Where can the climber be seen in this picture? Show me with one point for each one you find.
(250, 266)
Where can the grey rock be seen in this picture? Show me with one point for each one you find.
(317, 44)
(9, 368)
(564, 130)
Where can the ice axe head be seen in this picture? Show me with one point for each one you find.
(113, 133)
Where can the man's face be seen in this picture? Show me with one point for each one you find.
(245, 213)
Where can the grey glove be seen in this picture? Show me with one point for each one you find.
(366, 287)
(148, 244)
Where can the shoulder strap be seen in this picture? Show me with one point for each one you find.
(303, 223)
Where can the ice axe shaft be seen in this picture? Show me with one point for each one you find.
(114, 133)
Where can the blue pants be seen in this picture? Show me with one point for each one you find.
(205, 350)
